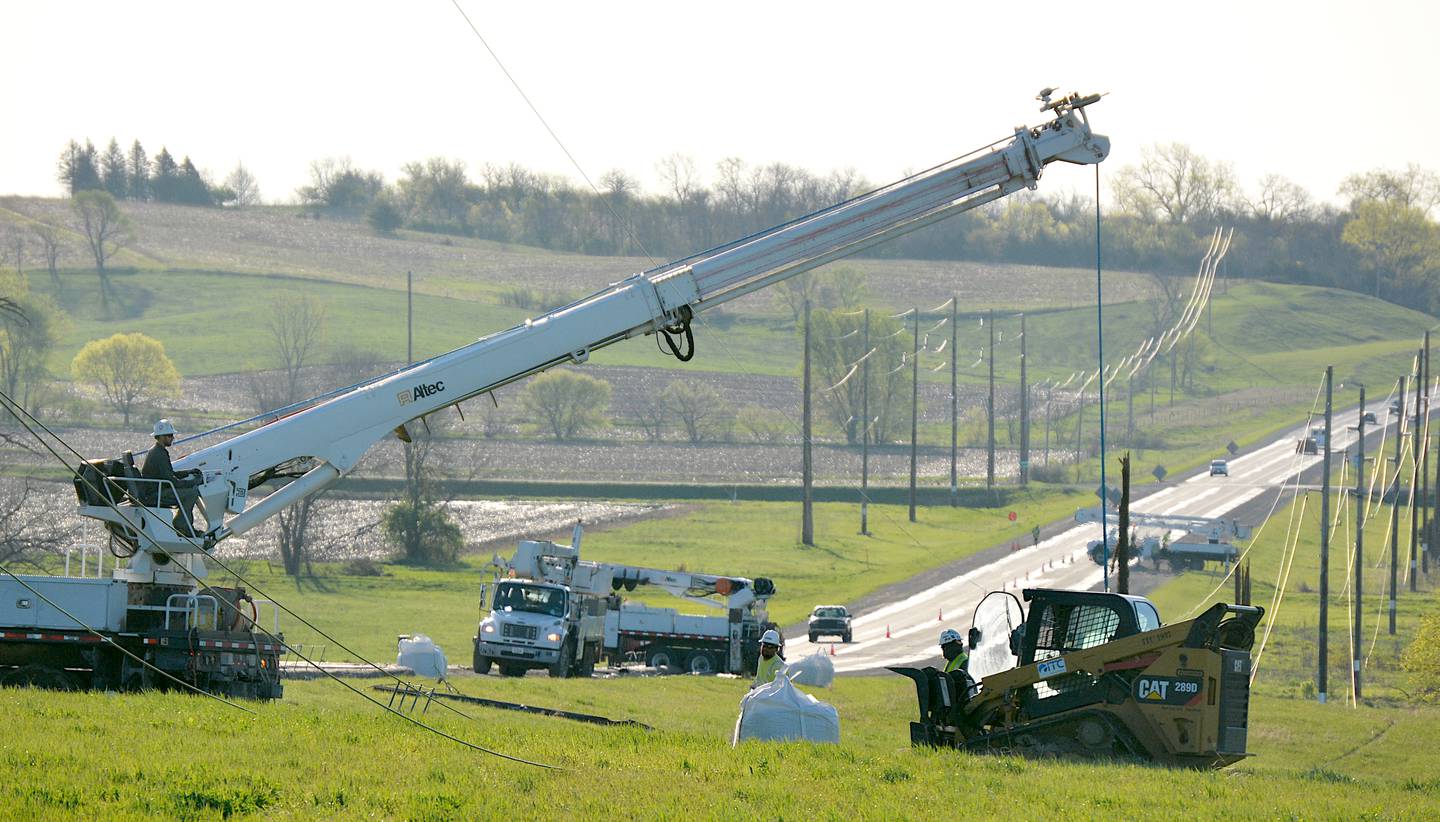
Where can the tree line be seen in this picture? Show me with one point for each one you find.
(134, 175)
(1382, 241)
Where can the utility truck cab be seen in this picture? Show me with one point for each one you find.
(537, 624)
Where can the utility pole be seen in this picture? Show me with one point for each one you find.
(1395, 504)
(1323, 672)
(1049, 400)
(1129, 411)
(1415, 469)
(1024, 411)
(1122, 540)
(990, 408)
(1424, 501)
(954, 406)
(1174, 355)
(914, 411)
(1360, 503)
(807, 505)
(409, 318)
(1414, 475)
(865, 433)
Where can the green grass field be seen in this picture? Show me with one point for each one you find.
(323, 752)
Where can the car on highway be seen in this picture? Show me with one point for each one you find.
(1370, 418)
(830, 620)
(1219, 468)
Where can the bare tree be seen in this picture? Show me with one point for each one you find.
(51, 246)
(700, 409)
(295, 329)
(1415, 187)
(1174, 183)
(27, 529)
(1280, 200)
(242, 183)
(652, 414)
(105, 229)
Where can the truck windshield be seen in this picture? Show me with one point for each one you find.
(530, 598)
(831, 613)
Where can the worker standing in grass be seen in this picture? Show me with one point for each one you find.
(770, 664)
(954, 650)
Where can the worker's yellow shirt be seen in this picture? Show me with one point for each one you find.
(957, 663)
(766, 670)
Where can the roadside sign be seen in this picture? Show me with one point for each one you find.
(1232, 448)
(1012, 516)
(1159, 473)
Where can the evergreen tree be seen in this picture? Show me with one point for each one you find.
(113, 172)
(191, 188)
(76, 170)
(164, 178)
(139, 172)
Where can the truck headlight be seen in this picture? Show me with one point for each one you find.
(488, 627)
(553, 637)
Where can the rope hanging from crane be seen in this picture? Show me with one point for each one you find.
(684, 352)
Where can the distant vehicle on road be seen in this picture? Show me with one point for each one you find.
(830, 620)
(1369, 418)
(1219, 468)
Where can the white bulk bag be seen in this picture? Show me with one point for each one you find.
(421, 655)
(816, 669)
(778, 710)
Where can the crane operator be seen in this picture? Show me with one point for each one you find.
(157, 467)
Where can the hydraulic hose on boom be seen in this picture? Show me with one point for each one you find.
(319, 441)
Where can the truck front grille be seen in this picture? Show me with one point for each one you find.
(510, 631)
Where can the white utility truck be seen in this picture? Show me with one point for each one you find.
(157, 605)
(1187, 542)
(548, 608)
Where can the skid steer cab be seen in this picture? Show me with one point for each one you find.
(1094, 675)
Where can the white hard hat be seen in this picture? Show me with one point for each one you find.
(949, 635)
(164, 427)
(771, 637)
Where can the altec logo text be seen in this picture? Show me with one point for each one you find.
(427, 389)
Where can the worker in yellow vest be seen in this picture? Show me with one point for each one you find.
(770, 664)
(953, 648)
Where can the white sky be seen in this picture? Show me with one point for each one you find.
(1310, 90)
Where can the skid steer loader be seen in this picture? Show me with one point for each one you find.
(1094, 676)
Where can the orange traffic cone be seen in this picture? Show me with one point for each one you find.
(832, 649)
(940, 615)
(887, 630)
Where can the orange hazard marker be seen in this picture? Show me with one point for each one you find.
(887, 630)
(832, 649)
(940, 615)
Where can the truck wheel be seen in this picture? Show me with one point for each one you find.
(701, 662)
(660, 658)
(482, 664)
(845, 638)
(813, 637)
(38, 676)
(564, 666)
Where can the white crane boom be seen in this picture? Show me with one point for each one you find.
(319, 441)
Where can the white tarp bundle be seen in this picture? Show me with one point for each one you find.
(816, 669)
(421, 655)
(779, 710)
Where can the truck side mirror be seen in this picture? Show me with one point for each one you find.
(1017, 640)
(974, 638)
